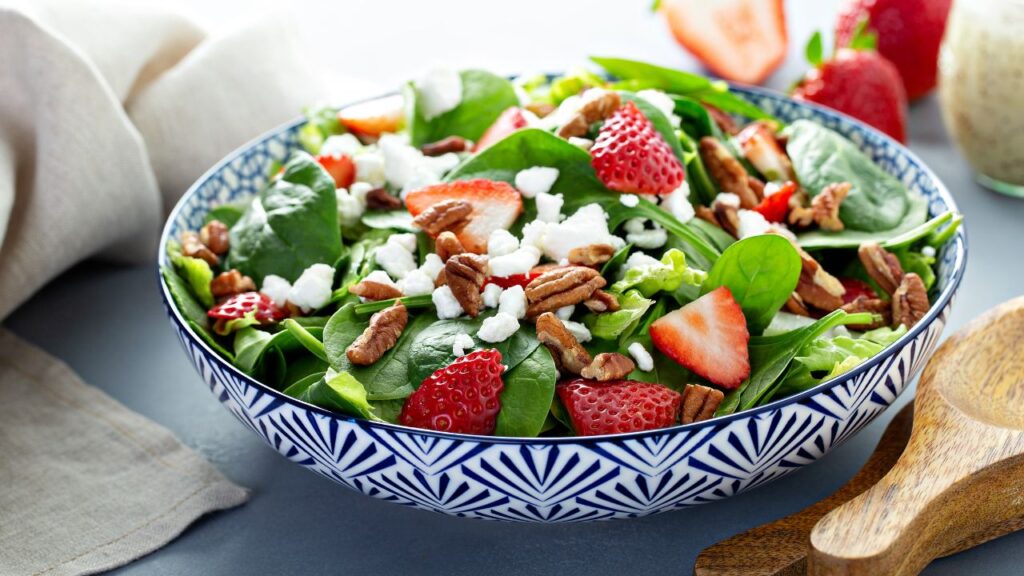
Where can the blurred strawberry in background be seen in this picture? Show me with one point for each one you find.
(741, 40)
(857, 81)
(909, 33)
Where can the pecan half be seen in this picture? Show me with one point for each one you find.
(231, 283)
(877, 306)
(882, 266)
(594, 108)
(545, 267)
(380, 336)
(727, 216)
(825, 206)
(756, 186)
(446, 215)
(465, 275)
(757, 140)
(795, 305)
(381, 199)
(608, 366)
(447, 245)
(816, 287)
(193, 247)
(215, 236)
(800, 215)
(592, 255)
(561, 287)
(724, 121)
(910, 301)
(371, 290)
(699, 403)
(707, 214)
(570, 356)
(726, 171)
(601, 301)
(444, 146)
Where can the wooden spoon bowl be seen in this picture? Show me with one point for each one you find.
(963, 470)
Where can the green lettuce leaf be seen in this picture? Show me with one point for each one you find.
(824, 359)
(610, 325)
(668, 276)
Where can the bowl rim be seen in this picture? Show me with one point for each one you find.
(959, 267)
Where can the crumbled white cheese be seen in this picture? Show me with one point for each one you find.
(461, 344)
(406, 240)
(380, 277)
(645, 238)
(928, 252)
(751, 223)
(400, 159)
(445, 303)
(501, 242)
(536, 180)
(416, 283)
(639, 260)
(498, 328)
(629, 200)
(432, 266)
(370, 169)
(578, 330)
(438, 91)
(421, 178)
(589, 225)
(584, 143)
(634, 225)
(678, 203)
(565, 312)
(395, 259)
(276, 288)
(534, 233)
(359, 190)
(549, 207)
(518, 262)
(643, 358)
(341, 145)
(728, 198)
(512, 301)
(312, 290)
(662, 102)
(492, 295)
(350, 210)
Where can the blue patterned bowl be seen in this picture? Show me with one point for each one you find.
(571, 479)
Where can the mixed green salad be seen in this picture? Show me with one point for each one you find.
(556, 256)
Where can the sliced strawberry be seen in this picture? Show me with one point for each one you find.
(248, 304)
(709, 336)
(630, 156)
(775, 207)
(374, 117)
(495, 205)
(618, 406)
(742, 40)
(510, 120)
(463, 397)
(856, 288)
(513, 280)
(340, 167)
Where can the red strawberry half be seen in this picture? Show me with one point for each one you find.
(495, 205)
(237, 307)
(618, 406)
(630, 156)
(742, 40)
(909, 34)
(510, 121)
(709, 336)
(340, 167)
(463, 397)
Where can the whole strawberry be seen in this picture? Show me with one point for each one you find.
(618, 406)
(629, 155)
(857, 81)
(463, 397)
(909, 34)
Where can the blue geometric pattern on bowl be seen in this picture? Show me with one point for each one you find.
(572, 479)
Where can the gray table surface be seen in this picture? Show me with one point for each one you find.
(108, 324)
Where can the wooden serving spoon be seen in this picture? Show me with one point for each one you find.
(962, 472)
(780, 547)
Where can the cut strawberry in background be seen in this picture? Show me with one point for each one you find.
(508, 122)
(741, 40)
(495, 205)
(374, 117)
(340, 167)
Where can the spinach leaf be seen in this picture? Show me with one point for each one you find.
(412, 302)
(291, 225)
(484, 97)
(250, 344)
(227, 214)
(305, 338)
(918, 263)
(392, 220)
(619, 258)
(720, 97)
(296, 389)
(385, 379)
(695, 120)
(771, 355)
(432, 347)
(341, 392)
(526, 399)
(911, 231)
(388, 410)
(299, 366)
(761, 272)
(702, 189)
(877, 202)
(210, 340)
(183, 298)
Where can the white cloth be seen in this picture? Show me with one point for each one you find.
(107, 113)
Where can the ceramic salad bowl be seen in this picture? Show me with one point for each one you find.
(576, 478)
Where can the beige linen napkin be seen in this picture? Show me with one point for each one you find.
(107, 113)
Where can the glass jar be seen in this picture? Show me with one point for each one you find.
(981, 87)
